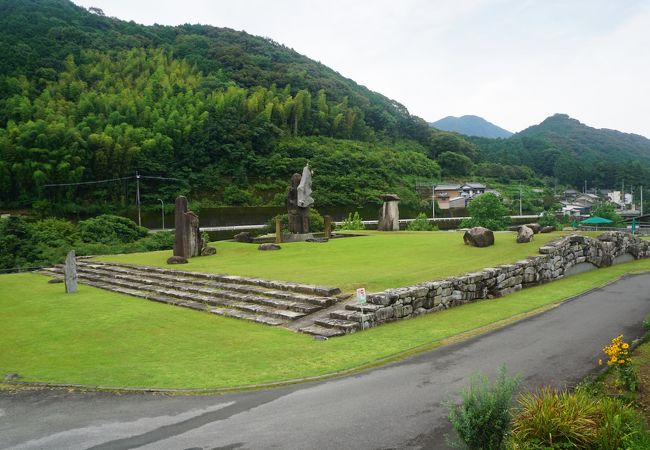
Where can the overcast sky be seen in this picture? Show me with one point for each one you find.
(513, 62)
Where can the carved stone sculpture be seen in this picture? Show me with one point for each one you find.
(298, 202)
(70, 272)
(188, 239)
(389, 213)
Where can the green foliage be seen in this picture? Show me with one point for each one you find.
(16, 249)
(487, 211)
(548, 219)
(108, 229)
(548, 419)
(455, 164)
(646, 322)
(352, 222)
(482, 419)
(316, 222)
(421, 223)
(606, 210)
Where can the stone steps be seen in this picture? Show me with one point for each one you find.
(318, 330)
(347, 326)
(147, 283)
(263, 301)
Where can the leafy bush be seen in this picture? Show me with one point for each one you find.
(482, 419)
(487, 211)
(108, 229)
(421, 223)
(548, 219)
(607, 210)
(352, 222)
(316, 222)
(550, 419)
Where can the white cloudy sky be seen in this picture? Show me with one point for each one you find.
(513, 62)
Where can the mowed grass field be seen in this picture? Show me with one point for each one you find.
(96, 337)
(377, 261)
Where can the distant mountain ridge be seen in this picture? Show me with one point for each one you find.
(471, 126)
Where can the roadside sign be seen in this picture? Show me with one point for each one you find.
(361, 296)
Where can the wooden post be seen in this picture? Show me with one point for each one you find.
(278, 231)
(328, 226)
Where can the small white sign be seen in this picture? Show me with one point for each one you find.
(361, 296)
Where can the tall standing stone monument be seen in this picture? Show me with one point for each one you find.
(70, 272)
(389, 213)
(188, 239)
(299, 201)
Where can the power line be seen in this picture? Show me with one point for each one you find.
(88, 182)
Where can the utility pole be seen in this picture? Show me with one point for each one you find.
(162, 212)
(137, 196)
(433, 201)
(641, 200)
(520, 211)
(584, 191)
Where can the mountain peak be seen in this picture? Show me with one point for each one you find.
(471, 125)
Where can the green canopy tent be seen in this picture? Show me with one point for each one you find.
(595, 220)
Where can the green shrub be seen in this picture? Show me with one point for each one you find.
(108, 229)
(487, 211)
(550, 419)
(352, 222)
(316, 222)
(548, 219)
(482, 419)
(421, 223)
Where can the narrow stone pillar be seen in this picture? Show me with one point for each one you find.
(328, 226)
(389, 213)
(70, 273)
(278, 231)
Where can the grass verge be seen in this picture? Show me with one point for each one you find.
(96, 337)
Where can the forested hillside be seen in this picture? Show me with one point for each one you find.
(84, 97)
(571, 152)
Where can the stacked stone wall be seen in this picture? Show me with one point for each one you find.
(555, 258)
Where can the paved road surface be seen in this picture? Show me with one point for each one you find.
(395, 406)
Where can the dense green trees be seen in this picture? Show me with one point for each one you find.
(487, 211)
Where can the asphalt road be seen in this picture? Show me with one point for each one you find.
(396, 406)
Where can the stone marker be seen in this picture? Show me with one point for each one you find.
(269, 246)
(299, 201)
(547, 229)
(524, 235)
(479, 237)
(328, 226)
(244, 236)
(389, 213)
(70, 271)
(278, 231)
(188, 238)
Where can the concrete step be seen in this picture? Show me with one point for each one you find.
(321, 291)
(352, 316)
(246, 316)
(146, 289)
(317, 330)
(367, 308)
(198, 281)
(347, 326)
(145, 282)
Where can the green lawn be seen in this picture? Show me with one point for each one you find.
(97, 337)
(376, 262)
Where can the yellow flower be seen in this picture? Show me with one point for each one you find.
(621, 361)
(600, 362)
(626, 345)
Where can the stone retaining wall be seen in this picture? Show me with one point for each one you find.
(555, 258)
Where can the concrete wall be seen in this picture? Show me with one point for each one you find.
(557, 259)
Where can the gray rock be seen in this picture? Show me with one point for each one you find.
(176, 260)
(389, 213)
(55, 280)
(187, 242)
(524, 235)
(12, 377)
(269, 246)
(547, 229)
(244, 236)
(70, 272)
(479, 237)
(207, 251)
(534, 226)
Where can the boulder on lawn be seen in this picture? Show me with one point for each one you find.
(479, 237)
(513, 228)
(547, 229)
(176, 260)
(207, 251)
(534, 226)
(269, 246)
(244, 236)
(524, 235)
